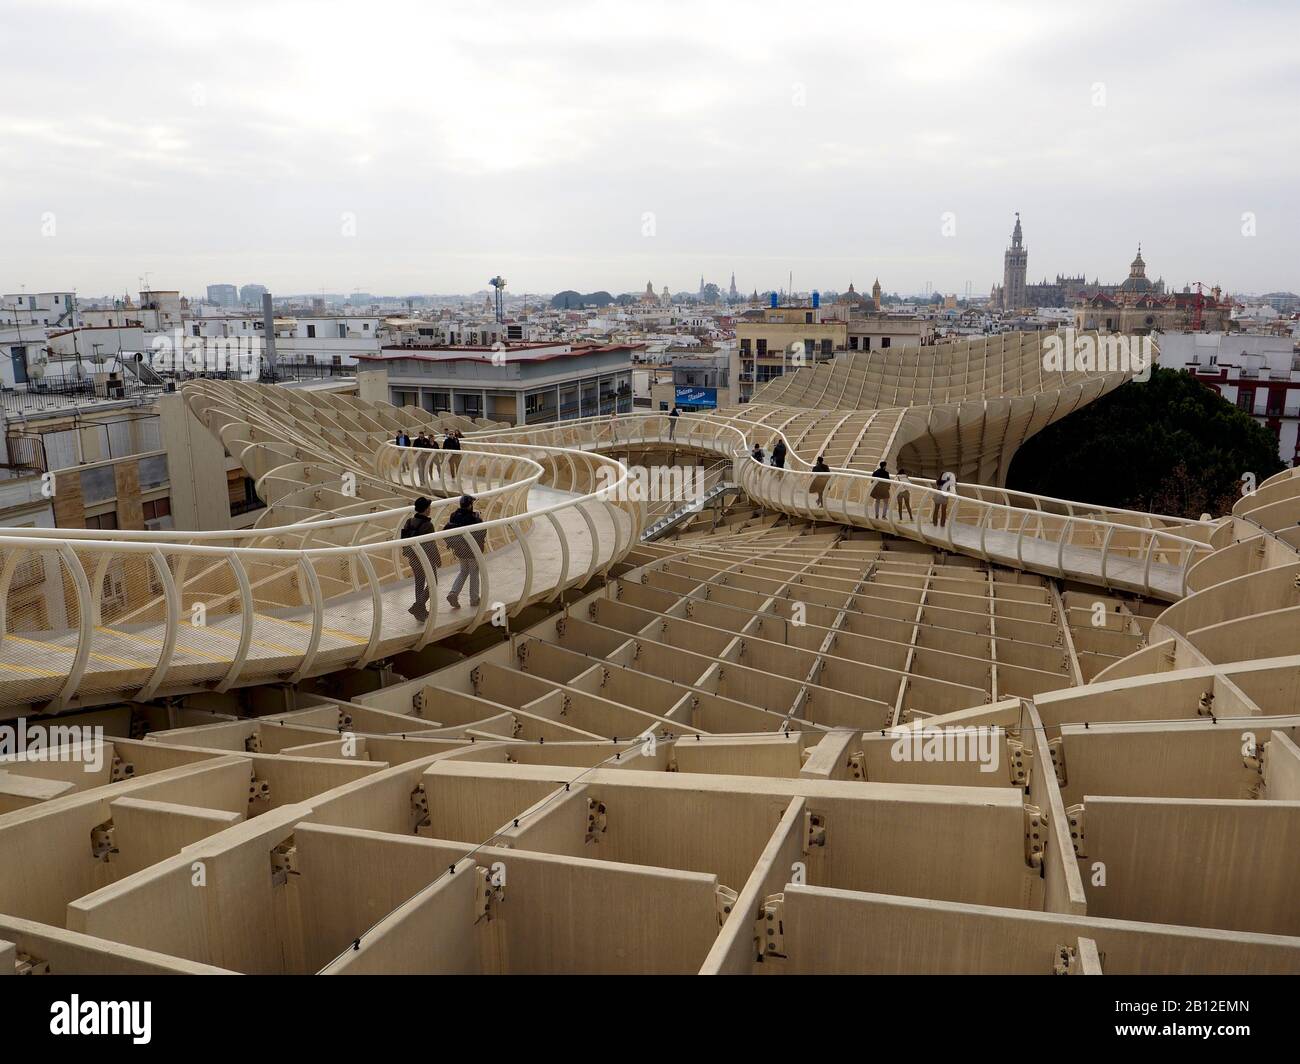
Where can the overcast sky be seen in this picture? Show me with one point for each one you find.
(397, 147)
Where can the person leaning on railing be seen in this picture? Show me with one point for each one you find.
(904, 495)
(465, 517)
(942, 500)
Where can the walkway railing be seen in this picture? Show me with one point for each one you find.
(137, 614)
(87, 615)
(1098, 545)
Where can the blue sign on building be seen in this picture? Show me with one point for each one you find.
(703, 397)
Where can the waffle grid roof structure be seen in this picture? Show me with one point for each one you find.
(710, 752)
(962, 408)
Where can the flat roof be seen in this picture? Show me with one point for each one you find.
(525, 352)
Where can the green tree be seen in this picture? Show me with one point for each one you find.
(1167, 445)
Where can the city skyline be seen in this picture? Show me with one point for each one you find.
(283, 143)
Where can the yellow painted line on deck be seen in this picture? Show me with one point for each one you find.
(93, 654)
(25, 669)
(332, 631)
(158, 643)
(261, 643)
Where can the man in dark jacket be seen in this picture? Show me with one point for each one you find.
(673, 415)
(778, 453)
(451, 442)
(423, 440)
(818, 485)
(464, 517)
(420, 524)
(880, 492)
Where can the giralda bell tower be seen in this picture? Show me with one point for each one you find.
(1015, 264)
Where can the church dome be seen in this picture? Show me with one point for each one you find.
(1137, 280)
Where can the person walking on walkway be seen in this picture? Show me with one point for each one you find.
(880, 492)
(904, 495)
(757, 454)
(451, 442)
(818, 485)
(778, 453)
(464, 517)
(402, 440)
(673, 415)
(942, 499)
(420, 524)
(423, 440)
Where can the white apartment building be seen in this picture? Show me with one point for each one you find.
(1258, 374)
(52, 309)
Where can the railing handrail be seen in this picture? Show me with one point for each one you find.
(174, 537)
(134, 546)
(751, 429)
(919, 483)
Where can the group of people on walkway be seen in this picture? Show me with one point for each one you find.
(897, 486)
(778, 454)
(421, 524)
(900, 486)
(450, 442)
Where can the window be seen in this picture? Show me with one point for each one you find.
(242, 492)
(108, 520)
(744, 346)
(826, 347)
(343, 331)
(156, 508)
(807, 318)
(762, 348)
(1276, 401)
(884, 341)
(1246, 399)
(853, 343)
(311, 332)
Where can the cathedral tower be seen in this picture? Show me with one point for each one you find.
(1015, 264)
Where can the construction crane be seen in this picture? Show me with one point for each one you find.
(499, 284)
(1198, 307)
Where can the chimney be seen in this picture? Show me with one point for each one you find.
(268, 332)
